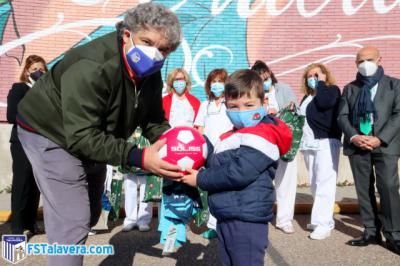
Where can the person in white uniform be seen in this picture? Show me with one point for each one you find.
(280, 95)
(179, 105)
(320, 145)
(212, 120)
(138, 213)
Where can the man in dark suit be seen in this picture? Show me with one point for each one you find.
(369, 115)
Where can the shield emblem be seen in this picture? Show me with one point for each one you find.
(13, 248)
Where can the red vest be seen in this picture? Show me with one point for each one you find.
(167, 102)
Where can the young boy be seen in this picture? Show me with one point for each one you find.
(240, 171)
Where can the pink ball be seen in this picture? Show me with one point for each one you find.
(185, 147)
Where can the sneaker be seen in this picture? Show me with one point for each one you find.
(311, 227)
(144, 228)
(320, 233)
(287, 229)
(209, 234)
(128, 227)
(92, 232)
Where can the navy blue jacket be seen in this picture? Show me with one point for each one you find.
(241, 169)
(322, 112)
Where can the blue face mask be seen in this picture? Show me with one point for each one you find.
(144, 60)
(248, 118)
(267, 85)
(217, 89)
(312, 82)
(179, 86)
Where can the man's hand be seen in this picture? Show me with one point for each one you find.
(154, 164)
(190, 178)
(373, 142)
(362, 142)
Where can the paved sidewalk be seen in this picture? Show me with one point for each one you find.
(136, 248)
(346, 202)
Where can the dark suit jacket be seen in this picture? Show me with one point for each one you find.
(15, 95)
(387, 124)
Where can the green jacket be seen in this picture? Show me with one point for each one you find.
(86, 103)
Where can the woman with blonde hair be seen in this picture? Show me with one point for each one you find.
(179, 105)
(320, 144)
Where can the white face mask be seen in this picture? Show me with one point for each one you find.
(367, 68)
(150, 51)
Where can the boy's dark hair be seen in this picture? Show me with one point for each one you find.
(244, 81)
(260, 67)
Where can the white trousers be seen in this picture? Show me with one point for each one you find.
(285, 185)
(109, 176)
(135, 215)
(322, 166)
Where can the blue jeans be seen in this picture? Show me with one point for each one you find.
(242, 243)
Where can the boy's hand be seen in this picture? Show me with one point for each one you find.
(190, 178)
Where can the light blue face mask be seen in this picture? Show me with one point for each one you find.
(312, 82)
(248, 118)
(217, 89)
(179, 86)
(267, 84)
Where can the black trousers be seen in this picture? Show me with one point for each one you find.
(368, 168)
(24, 193)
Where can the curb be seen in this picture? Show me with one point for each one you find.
(300, 208)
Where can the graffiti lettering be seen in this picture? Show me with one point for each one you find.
(272, 7)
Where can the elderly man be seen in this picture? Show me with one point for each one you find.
(369, 115)
(77, 117)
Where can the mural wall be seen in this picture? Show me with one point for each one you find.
(287, 34)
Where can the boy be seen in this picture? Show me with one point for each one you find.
(240, 172)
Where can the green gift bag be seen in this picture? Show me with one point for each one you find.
(153, 189)
(290, 115)
(115, 195)
(200, 219)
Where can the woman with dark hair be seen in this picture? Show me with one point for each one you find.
(212, 112)
(269, 81)
(213, 121)
(286, 173)
(24, 192)
(283, 92)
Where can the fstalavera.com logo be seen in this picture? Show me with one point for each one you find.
(13, 248)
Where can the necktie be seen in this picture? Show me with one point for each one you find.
(366, 126)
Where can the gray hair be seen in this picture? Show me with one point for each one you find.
(153, 16)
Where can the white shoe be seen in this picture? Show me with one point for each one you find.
(92, 232)
(320, 233)
(287, 229)
(311, 227)
(128, 227)
(144, 228)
